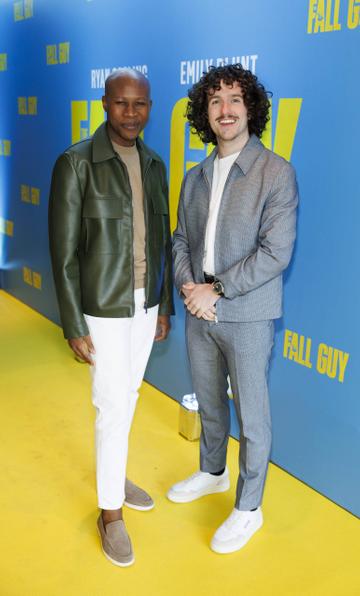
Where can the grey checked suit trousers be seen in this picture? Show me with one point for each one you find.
(242, 351)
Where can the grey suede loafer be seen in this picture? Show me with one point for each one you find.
(137, 498)
(115, 542)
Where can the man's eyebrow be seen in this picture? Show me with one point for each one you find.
(211, 95)
(129, 97)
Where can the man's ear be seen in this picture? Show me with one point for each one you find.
(104, 103)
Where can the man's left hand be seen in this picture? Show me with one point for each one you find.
(200, 298)
(163, 327)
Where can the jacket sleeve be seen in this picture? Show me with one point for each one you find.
(275, 243)
(166, 306)
(181, 253)
(65, 205)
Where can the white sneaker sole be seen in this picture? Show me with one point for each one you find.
(188, 497)
(113, 561)
(224, 548)
(139, 507)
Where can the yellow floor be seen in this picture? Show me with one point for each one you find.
(308, 545)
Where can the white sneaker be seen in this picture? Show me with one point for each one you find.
(236, 530)
(198, 485)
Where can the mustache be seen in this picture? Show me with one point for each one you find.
(226, 117)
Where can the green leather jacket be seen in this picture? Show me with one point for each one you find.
(91, 233)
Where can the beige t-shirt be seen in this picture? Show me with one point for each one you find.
(130, 157)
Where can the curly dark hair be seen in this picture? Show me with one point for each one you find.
(256, 99)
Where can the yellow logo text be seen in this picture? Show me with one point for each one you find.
(3, 62)
(324, 15)
(86, 117)
(58, 53)
(330, 361)
(27, 106)
(32, 278)
(6, 227)
(23, 9)
(353, 16)
(30, 194)
(5, 147)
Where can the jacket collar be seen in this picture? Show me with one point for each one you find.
(102, 148)
(245, 159)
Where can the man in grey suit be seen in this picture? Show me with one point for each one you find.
(234, 238)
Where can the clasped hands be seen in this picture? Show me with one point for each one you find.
(200, 300)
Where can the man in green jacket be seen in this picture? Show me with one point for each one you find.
(111, 254)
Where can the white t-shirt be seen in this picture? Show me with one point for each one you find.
(221, 171)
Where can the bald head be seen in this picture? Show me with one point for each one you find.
(127, 103)
(124, 75)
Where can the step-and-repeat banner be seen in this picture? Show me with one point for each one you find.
(54, 58)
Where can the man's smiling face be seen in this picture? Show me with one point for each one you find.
(227, 113)
(127, 104)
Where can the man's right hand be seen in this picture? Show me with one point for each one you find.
(210, 313)
(82, 347)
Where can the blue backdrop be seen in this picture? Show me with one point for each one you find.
(54, 57)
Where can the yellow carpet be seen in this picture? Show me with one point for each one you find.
(49, 544)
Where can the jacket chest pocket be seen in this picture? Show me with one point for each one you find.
(158, 221)
(102, 225)
(159, 204)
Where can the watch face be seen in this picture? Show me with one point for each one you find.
(218, 288)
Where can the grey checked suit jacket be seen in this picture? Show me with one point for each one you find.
(255, 231)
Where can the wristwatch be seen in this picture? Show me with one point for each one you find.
(218, 287)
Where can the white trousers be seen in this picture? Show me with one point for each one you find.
(122, 349)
